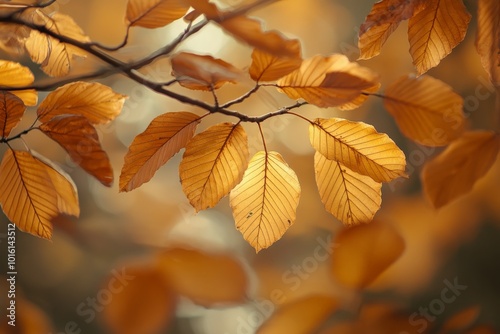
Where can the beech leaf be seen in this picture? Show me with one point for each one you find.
(15, 75)
(154, 13)
(150, 150)
(264, 204)
(268, 67)
(12, 109)
(488, 37)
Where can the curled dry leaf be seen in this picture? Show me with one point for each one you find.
(202, 71)
(268, 67)
(96, 102)
(213, 163)
(488, 38)
(15, 75)
(264, 204)
(359, 147)
(363, 252)
(329, 82)
(426, 110)
(455, 171)
(351, 197)
(154, 13)
(12, 109)
(150, 150)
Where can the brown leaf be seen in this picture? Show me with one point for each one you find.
(12, 109)
(488, 38)
(461, 320)
(363, 252)
(154, 13)
(98, 103)
(329, 81)
(454, 172)
(352, 198)
(12, 38)
(359, 147)
(264, 204)
(303, 316)
(15, 75)
(150, 150)
(426, 110)
(268, 67)
(206, 279)
(202, 72)
(79, 138)
(435, 31)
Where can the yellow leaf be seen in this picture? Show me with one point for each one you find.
(363, 252)
(79, 138)
(268, 67)
(328, 81)
(154, 13)
(264, 204)
(303, 316)
(352, 198)
(455, 171)
(15, 75)
(426, 110)
(98, 103)
(435, 31)
(202, 72)
(206, 279)
(213, 163)
(359, 147)
(488, 37)
(150, 150)
(12, 109)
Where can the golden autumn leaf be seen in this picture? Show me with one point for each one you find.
(264, 204)
(15, 75)
(488, 38)
(206, 279)
(455, 171)
(96, 102)
(268, 67)
(435, 30)
(461, 320)
(303, 316)
(150, 150)
(143, 302)
(213, 163)
(12, 109)
(363, 252)
(359, 147)
(154, 13)
(426, 109)
(329, 81)
(351, 197)
(79, 138)
(202, 71)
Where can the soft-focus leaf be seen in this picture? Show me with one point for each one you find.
(98, 103)
(434, 31)
(12, 37)
(79, 138)
(213, 163)
(303, 316)
(206, 279)
(30, 318)
(351, 197)
(11, 110)
(426, 110)
(264, 204)
(454, 172)
(363, 252)
(202, 72)
(15, 75)
(488, 38)
(461, 320)
(482, 329)
(143, 301)
(359, 147)
(154, 13)
(268, 67)
(328, 81)
(150, 150)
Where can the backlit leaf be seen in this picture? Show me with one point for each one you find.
(15, 75)
(11, 110)
(268, 67)
(426, 110)
(455, 171)
(328, 81)
(154, 13)
(98, 103)
(202, 72)
(264, 204)
(359, 147)
(435, 31)
(363, 252)
(488, 38)
(150, 150)
(351, 197)
(79, 138)
(213, 163)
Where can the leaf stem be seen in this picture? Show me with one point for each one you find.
(263, 138)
